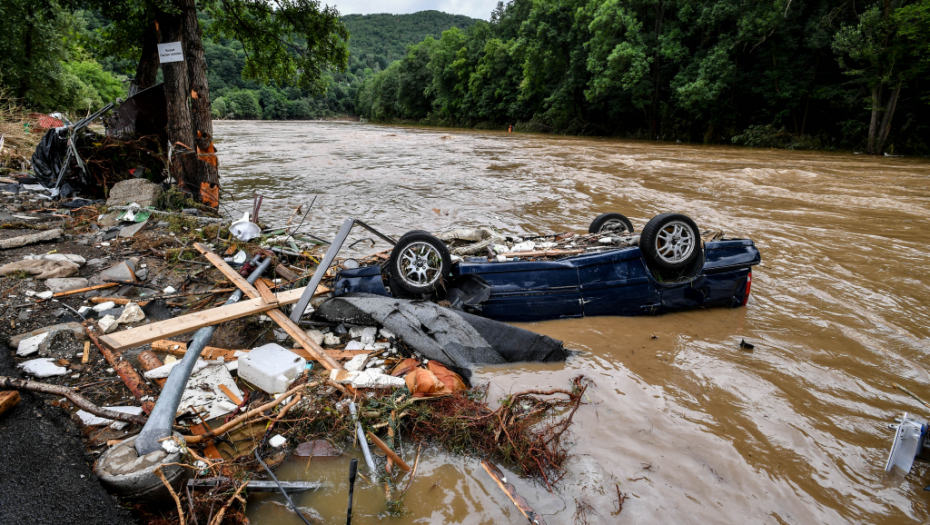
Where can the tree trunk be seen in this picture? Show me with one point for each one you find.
(873, 126)
(147, 70)
(203, 183)
(886, 120)
(177, 91)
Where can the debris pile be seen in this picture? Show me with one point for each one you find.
(99, 307)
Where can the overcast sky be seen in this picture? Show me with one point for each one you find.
(473, 8)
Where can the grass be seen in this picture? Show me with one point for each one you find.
(19, 142)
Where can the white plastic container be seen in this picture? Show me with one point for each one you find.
(271, 367)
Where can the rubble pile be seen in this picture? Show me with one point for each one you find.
(97, 307)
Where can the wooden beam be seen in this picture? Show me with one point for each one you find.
(276, 315)
(211, 352)
(8, 400)
(82, 290)
(266, 292)
(126, 339)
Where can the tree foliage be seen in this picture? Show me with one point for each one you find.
(794, 73)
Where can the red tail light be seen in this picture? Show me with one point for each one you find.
(748, 286)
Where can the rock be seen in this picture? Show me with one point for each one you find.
(340, 330)
(108, 324)
(96, 262)
(42, 368)
(131, 314)
(169, 289)
(104, 306)
(115, 312)
(142, 274)
(109, 220)
(84, 309)
(58, 285)
(139, 191)
(316, 336)
(121, 271)
(331, 340)
(30, 345)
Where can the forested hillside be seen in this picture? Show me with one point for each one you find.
(375, 41)
(786, 73)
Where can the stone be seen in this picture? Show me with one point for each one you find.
(365, 333)
(142, 274)
(316, 335)
(66, 284)
(74, 328)
(108, 324)
(331, 340)
(121, 271)
(131, 314)
(115, 312)
(109, 220)
(96, 262)
(139, 191)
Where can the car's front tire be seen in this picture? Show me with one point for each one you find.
(670, 242)
(419, 263)
(611, 223)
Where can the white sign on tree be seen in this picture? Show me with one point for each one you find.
(170, 52)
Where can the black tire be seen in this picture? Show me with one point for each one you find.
(611, 222)
(429, 271)
(663, 242)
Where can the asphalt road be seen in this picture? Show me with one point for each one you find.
(45, 476)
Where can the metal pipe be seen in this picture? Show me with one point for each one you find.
(363, 442)
(353, 470)
(159, 424)
(334, 248)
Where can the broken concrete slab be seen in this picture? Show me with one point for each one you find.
(66, 284)
(122, 271)
(30, 345)
(139, 191)
(75, 328)
(42, 368)
(129, 231)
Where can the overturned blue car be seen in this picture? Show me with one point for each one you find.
(612, 270)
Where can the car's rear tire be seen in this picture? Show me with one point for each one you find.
(611, 223)
(670, 242)
(419, 263)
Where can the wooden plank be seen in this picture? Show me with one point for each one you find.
(266, 293)
(89, 288)
(8, 400)
(126, 339)
(276, 315)
(86, 356)
(229, 393)
(211, 352)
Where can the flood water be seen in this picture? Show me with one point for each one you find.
(691, 427)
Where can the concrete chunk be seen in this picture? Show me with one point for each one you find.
(139, 191)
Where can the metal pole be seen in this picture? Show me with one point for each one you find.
(334, 248)
(162, 417)
(363, 442)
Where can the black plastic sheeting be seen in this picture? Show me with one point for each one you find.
(49, 154)
(456, 339)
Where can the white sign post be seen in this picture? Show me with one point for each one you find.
(170, 52)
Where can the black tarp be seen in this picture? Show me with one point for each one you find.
(456, 339)
(49, 154)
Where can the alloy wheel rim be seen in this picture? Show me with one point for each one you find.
(613, 226)
(419, 264)
(675, 242)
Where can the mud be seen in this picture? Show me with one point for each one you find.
(691, 427)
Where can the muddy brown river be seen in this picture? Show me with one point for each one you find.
(691, 427)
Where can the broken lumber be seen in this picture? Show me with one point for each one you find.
(389, 453)
(131, 378)
(265, 292)
(8, 400)
(142, 301)
(23, 240)
(212, 352)
(511, 492)
(78, 400)
(126, 339)
(275, 314)
(88, 289)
